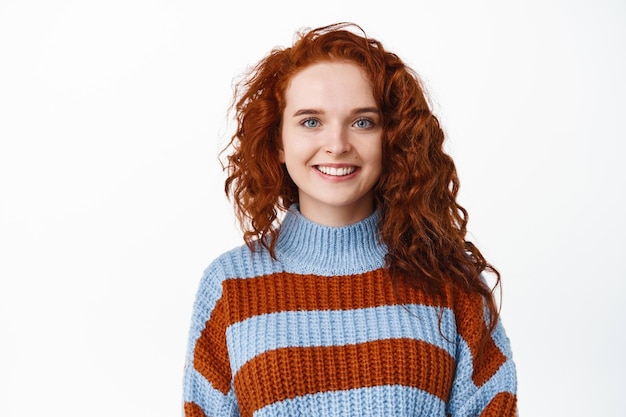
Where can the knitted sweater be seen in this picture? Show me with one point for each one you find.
(320, 332)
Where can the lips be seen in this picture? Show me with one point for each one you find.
(335, 171)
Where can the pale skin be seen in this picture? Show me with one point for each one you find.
(332, 142)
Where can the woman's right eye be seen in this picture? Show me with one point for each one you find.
(310, 123)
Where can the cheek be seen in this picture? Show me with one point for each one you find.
(377, 159)
(375, 152)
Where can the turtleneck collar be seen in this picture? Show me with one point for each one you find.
(307, 247)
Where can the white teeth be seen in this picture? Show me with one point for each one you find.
(337, 172)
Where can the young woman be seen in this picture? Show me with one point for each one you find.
(356, 293)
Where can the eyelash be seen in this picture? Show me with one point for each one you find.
(305, 122)
(370, 122)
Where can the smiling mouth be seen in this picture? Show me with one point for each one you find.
(335, 172)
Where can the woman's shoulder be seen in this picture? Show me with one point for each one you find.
(242, 261)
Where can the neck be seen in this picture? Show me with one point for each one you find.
(335, 217)
(307, 247)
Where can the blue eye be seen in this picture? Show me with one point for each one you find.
(310, 123)
(364, 123)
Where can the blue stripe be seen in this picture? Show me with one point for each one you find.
(502, 341)
(362, 402)
(504, 380)
(212, 401)
(468, 399)
(267, 332)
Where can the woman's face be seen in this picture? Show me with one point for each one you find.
(332, 142)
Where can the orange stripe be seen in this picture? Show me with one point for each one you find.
(210, 356)
(291, 292)
(193, 410)
(245, 298)
(504, 404)
(296, 371)
(486, 356)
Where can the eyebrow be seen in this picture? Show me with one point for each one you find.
(360, 110)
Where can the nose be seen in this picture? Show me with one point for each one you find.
(337, 142)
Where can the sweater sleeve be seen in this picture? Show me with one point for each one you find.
(207, 384)
(485, 382)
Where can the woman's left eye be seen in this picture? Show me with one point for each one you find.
(364, 123)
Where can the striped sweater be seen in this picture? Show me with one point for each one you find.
(320, 331)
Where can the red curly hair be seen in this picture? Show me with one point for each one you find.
(421, 222)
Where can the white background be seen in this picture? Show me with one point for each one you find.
(111, 205)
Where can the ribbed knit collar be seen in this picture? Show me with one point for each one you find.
(307, 247)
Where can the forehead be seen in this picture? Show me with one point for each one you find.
(327, 82)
